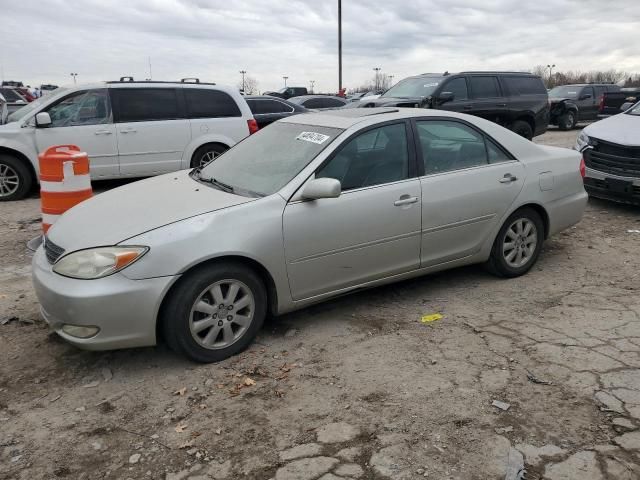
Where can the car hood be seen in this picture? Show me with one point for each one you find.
(114, 216)
(392, 102)
(622, 129)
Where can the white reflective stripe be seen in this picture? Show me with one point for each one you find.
(49, 219)
(72, 184)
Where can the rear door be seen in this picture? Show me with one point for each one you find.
(84, 118)
(468, 184)
(488, 101)
(152, 129)
(587, 107)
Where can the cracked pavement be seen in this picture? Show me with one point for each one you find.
(354, 388)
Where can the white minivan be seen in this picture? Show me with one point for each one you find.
(128, 128)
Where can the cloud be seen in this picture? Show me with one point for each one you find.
(43, 42)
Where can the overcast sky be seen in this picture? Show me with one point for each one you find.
(44, 41)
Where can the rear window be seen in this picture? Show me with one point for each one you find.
(145, 104)
(209, 103)
(525, 85)
(268, 106)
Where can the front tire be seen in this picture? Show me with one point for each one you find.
(523, 129)
(214, 312)
(517, 245)
(207, 154)
(16, 178)
(567, 121)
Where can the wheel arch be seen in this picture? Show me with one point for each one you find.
(527, 117)
(540, 210)
(261, 271)
(22, 157)
(206, 144)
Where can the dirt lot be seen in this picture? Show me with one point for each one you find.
(354, 388)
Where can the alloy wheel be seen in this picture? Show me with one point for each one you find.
(208, 157)
(520, 241)
(9, 180)
(221, 314)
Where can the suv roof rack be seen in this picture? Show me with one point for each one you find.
(190, 80)
(496, 71)
(182, 80)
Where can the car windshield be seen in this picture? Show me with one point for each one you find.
(414, 87)
(635, 110)
(30, 107)
(566, 91)
(266, 161)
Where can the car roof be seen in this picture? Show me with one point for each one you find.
(307, 97)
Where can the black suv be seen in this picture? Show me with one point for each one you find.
(514, 100)
(571, 104)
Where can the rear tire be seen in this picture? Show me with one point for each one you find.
(517, 245)
(567, 121)
(207, 154)
(214, 312)
(523, 129)
(16, 178)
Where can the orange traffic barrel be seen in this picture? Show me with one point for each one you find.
(64, 181)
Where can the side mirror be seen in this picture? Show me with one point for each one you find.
(585, 96)
(43, 119)
(445, 97)
(322, 188)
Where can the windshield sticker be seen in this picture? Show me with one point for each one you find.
(313, 137)
(427, 85)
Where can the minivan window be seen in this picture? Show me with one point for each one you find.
(145, 104)
(209, 103)
(521, 85)
(484, 87)
(88, 107)
(266, 161)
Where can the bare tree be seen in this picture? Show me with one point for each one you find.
(569, 77)
(250, 85)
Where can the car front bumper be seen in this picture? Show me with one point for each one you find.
(598, 184)
(124, 310)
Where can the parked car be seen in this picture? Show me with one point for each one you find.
(4, 111)
(13, 98)
(315, 206)
(615, 102)
(11, 83)
(611, 150)
(515, 100)
(267, 109)
(571, 104)
(288, 92)
(128, 128)
(25, 93)
(47, 87)
(319, 102)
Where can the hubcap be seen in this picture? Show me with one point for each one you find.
(208, 157)
(221, 314)
(520, 242)
(9, 180)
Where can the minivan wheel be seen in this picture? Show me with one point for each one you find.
(523, 129)
(16, 178)
(567, 121)
(207, 154)
(214, 312)
(518, 244)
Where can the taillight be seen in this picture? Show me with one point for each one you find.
(601, 105)
(583, 168)
(253, 126)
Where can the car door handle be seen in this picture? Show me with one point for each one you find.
(129, 130)
(405, 200)
(508, 178)
(103, 132)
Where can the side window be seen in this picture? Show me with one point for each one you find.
(314, 103)
(146, 104)
(457, 86)
(600, 91)
(495, 153)
(484, 87)
(89, 107)
(372, 158)
(253, 105)
(274, 106)
(448, 146)
(523, 85)
(587, 91)
(209, 103)
(333, 102)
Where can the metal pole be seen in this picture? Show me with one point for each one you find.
(285, 81)
(312, 82)
(74, 75)
(242, 72)
(339, 45)
(150, 75)
(377, 69)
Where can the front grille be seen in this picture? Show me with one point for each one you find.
(52, 251)
(612, 158)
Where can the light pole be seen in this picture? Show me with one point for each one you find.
(285, 81)
(377, 70)
(242, 72)
(339, 45)
(550, 67)
(74, 75)
(390, 80)
(312, 83)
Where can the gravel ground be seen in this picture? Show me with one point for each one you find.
(354, 388)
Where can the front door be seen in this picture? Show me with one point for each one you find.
(468, 186)
(84, 119)
(152, 129)
(371, 231)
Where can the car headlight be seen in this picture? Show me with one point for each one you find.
(582, 141)
(97, 262)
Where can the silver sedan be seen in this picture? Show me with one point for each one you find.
(311, 207)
